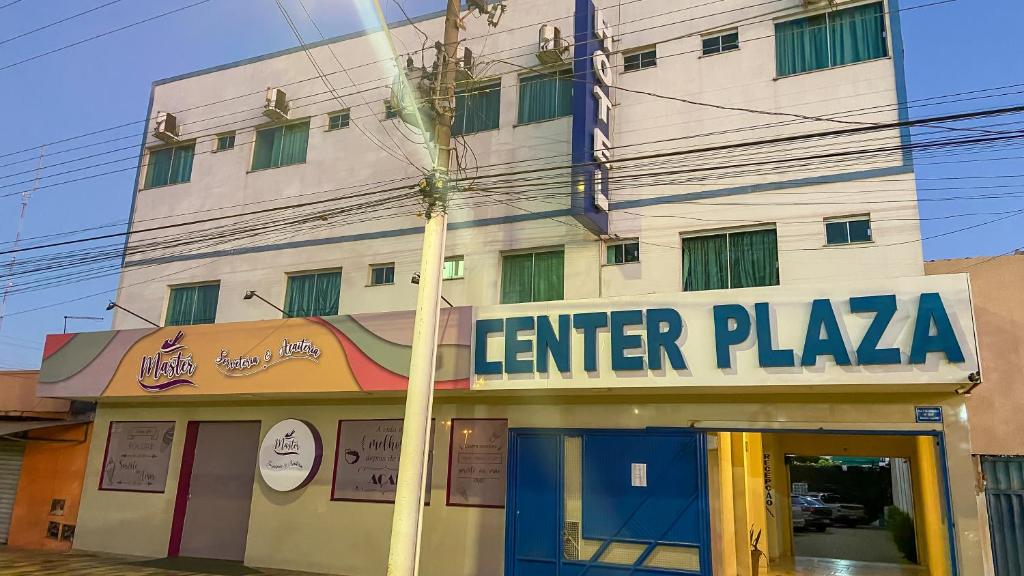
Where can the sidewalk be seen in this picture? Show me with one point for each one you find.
(35, 563)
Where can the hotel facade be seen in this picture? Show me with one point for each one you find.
(683, 254)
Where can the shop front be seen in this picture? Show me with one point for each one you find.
(643, 435)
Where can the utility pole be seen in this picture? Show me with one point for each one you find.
(407, 523)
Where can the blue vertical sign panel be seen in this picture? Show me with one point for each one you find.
(590, 177)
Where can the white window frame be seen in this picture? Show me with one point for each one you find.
(460, 258)
(849, 218)
(640, 50)
(607, 245)
(338, 113)
(719, 34)
(394, 273)
(216, 141)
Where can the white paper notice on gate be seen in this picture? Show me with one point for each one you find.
(639, 475)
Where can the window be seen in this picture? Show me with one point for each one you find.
(534, 277)
(453, 267)
(731, 260)
(721, 42)
(314, 294)
(831, 39)
(389, 110)
(225, 142)
(623, 253)
(338, 120)
(545, 96)
(477, 110)
(382, 274)
(192, 305)
(281, 146)
(647, 58)
(848, 230)
(171, 165)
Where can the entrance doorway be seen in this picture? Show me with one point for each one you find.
(211, 513)
(607, 502)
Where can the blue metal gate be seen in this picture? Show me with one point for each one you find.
(1004, 491)
(607, 503)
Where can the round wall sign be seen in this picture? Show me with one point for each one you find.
(290, 455)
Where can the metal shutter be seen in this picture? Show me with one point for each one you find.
(11, 453)
(1004, 490)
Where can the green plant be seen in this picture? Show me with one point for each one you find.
(901, 525)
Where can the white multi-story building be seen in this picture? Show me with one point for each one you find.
(761, 166)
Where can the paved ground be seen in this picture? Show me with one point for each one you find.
(30, 563)
(827, 567)
(864, 544)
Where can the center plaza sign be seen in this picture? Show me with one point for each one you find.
(910, 330)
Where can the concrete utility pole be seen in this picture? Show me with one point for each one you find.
(407, 523)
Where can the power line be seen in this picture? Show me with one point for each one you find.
(61, 21)
(100, 35)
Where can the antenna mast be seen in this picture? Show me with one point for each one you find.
(17, 236)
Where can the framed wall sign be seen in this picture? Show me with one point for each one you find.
(477, 461)
(290, 455)
(366, 460)
(137, 456)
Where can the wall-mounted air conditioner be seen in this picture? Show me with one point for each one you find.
(166, 128)
(551, 47)
(277, 105)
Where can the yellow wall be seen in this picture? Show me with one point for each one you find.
(53, 468)
(304, 530)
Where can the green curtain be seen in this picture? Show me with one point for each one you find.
(267, 140)
(206, 304)
(753, 259)
(313, 295)
(181, 164)
(548, 276)
(545, 96)
(517, 278)
(477, 110)
(857, 34)
(159, 167)
(801, 45)
(705, 263)
(300, 296)
(328, 294)
(296, 139)
(180, 307)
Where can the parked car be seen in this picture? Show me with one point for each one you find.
(799, 514)
(816, 514)
(844, 513)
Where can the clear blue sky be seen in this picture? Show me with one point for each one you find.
(954, 47)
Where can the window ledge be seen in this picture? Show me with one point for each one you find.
(845, 244)
(535, 122)
(379, 285)
(166, 185)
(335, 129)
(719, 53)
(619, 263)
(251, 171)
(498, 128)
(638, 69)
(455, 278)
(798, 74)
(216, 151)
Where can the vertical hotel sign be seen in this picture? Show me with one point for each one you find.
(591, 117)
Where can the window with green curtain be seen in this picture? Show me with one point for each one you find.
(281, 146)
(545, 96)
(477, 110)
(753, 259)
(831, 39)
(170, 165)
(192, 305)
(313, 295)
(533, 277)
(733, 260)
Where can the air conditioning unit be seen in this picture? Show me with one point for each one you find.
(464, 71)
(551, 47)
(166, 127)
(277, 105)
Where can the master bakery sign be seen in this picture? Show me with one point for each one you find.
(290, 455)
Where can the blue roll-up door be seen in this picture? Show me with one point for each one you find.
(1004, 491)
